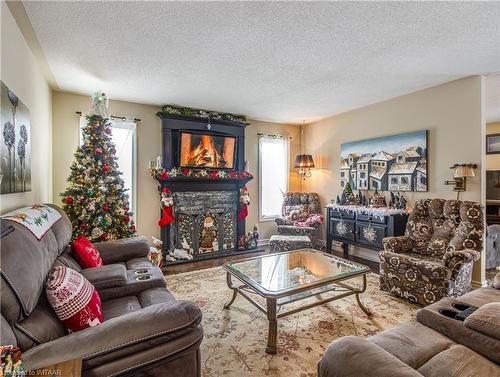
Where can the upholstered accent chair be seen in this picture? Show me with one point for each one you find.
(300, 215)
(434, 258)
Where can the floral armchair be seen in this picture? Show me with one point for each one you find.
(434, 259)
(301, 214)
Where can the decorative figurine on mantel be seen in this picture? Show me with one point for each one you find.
(397, 201)
(348, 197)
(377, 200)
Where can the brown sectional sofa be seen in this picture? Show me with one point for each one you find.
(145, 332)
(434, 345)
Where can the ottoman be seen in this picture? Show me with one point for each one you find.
(282, 242)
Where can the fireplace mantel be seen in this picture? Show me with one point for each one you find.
(203, 190)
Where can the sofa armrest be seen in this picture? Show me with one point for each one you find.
(351, 356)
(296, 230)
(107, 276)
(455, 259)
(126, 334)
(401, 244)
(116, 251)
(404, 262)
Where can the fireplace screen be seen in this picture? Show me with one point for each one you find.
(207, 151)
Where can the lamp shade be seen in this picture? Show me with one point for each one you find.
(304, 161)
(464, 171)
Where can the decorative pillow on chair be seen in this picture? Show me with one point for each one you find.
(299, 212)
(86, 253)
(74, 299)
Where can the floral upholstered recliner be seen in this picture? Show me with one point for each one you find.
(434, 259)
(301, 214)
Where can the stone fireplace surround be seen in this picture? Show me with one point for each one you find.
(199, 201)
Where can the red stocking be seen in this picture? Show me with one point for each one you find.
(243, 211)
(166, 216)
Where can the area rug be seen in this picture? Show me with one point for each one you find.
(235, 340)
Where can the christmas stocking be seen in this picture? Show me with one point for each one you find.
(243, 211)
(167, 216)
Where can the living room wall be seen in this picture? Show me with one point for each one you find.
(493, 160)
(21, 72)
(65, 140)
(452, 114)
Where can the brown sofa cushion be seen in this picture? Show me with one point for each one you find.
(486, 320)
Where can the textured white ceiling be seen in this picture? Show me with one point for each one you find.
(277, 61)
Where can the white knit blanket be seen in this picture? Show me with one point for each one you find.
(375, 212)
(38, 218)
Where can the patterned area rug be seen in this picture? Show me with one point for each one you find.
(235, 339)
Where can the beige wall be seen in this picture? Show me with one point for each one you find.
(65, 141)
(452, 114)
(493, 160)
(267, 228)
(22, 74)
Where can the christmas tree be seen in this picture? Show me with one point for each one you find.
(348, 194)
(96, 200)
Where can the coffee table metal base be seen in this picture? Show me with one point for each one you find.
(273, 305)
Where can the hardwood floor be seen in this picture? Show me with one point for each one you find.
(202, 264)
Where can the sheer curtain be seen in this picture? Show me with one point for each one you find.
(274, 167)
(124, 137)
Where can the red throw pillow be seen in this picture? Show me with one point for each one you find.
(86, 253)
(74, 299)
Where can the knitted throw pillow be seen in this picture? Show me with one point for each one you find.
(86, 253)
(74, 299)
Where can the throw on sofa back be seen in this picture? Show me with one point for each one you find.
(438, 225)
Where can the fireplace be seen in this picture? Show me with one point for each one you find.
(206, 204)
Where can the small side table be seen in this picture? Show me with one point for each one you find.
(70, 368)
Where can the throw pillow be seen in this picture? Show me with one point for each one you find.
(86, 253)
(74, 299)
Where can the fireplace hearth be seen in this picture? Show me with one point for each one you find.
(205, 205)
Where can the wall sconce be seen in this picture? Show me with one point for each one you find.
(462, 171)
(304, 162)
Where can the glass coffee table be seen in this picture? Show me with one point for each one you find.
(283, 278)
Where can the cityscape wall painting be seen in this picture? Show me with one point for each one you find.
(390, 163)
(15, 145)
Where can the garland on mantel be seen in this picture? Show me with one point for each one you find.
(178, 110)
(163, 174)
(375, 212)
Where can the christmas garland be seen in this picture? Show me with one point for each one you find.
(170, 109)
(163, 174)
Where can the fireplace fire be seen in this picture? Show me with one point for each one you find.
(207, 151)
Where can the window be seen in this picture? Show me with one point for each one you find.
(274, 166)
(394, 180)
(125, 139)
(362, 175)
(342, 174)
(423, 180)
(404, 180)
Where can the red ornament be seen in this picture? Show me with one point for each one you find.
(105, 168)
(126, 209)
(108, 130)
(163, 175)
(132, 228)
(98, 150)
(68, 200)
(127, 219)
(185, 171)
(104, 236)
(105, 207)
(213, 174)
(83, 226)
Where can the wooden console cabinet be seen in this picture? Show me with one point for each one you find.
(361, 229)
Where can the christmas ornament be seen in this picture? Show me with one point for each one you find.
(105, 168)
(98, 150)
(68, 200)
